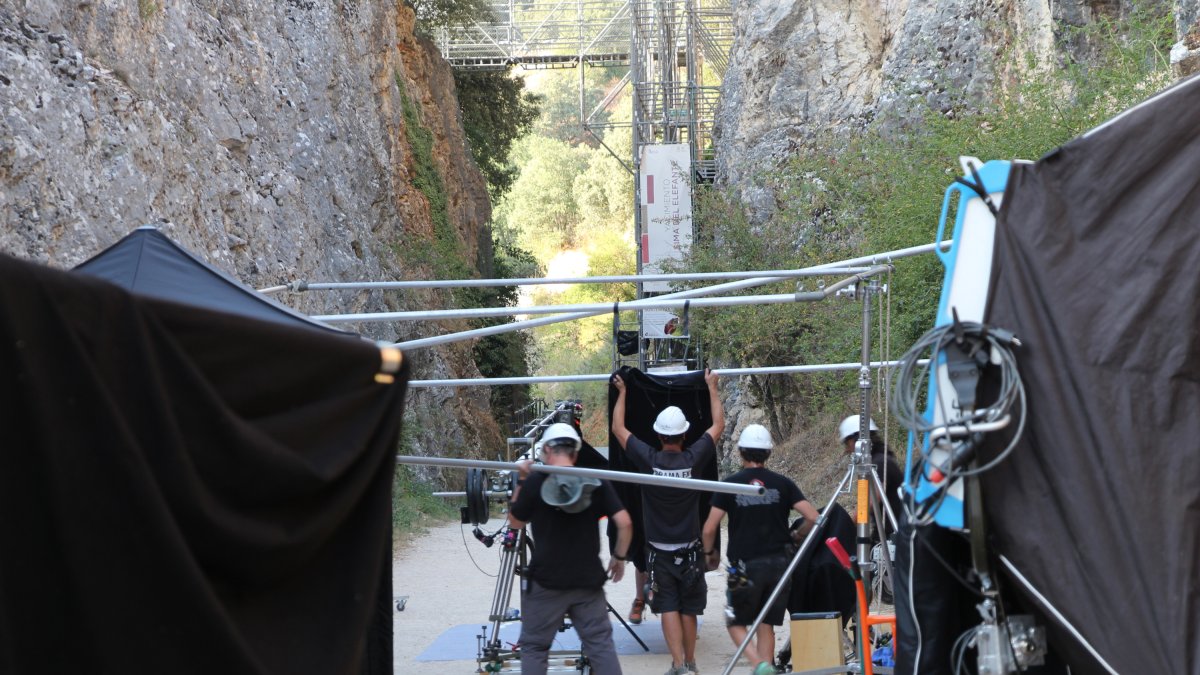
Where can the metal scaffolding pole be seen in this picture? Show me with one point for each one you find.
(600, 377)
(301, 286)
(649, 303)
(622, 476)
(878, 258)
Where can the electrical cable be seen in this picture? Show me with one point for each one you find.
(913, 379)
(468, 548)
(912, 606)
(950, 569)
(959, 651)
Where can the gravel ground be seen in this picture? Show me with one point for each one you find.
(451, 582)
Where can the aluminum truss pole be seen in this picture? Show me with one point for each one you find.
(301, 286)
(621, 476)
(600, 377)
(649, 303)
(698, 292)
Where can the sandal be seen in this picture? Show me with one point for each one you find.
(635, 613)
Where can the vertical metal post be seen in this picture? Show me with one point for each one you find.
(862, 449)
(637, 68)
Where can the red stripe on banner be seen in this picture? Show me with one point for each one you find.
(650, 189)
(645, 249)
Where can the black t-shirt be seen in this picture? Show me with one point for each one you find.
(670, 515)
(566, 551)
(758, 524)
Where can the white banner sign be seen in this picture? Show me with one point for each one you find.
(666, 203)
(660, 324)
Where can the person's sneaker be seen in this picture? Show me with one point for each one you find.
(677, 670)
(691, 668)
(765, 668)
(635, 613)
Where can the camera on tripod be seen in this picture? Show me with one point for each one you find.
(485, 487)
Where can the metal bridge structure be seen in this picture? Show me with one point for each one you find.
(676, 52)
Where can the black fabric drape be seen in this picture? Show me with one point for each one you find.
(185, 491)
(646, 396)
(819, 582)
(1098, 272)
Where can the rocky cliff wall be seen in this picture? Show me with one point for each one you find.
(267, 136)
(810, 68)
(819, 69)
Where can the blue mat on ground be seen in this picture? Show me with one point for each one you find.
(459, 643)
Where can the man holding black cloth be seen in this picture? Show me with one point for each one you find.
(565, 576)
(671, 517)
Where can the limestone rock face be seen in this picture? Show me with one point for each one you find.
(810, 68)
(267, 136)
(805, 70)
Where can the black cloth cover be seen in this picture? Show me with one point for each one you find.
(590, 458)
(1098, 272)
(646, 396)
(149, 264)
(186, 491)
(819, 582)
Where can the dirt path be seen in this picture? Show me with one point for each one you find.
(445, 588)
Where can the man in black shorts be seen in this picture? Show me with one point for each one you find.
(565, 576)
(672, 519)
(758, 545)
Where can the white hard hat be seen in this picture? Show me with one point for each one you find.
(850, 426)
(559, 434)
(671, 422)
(755, 436)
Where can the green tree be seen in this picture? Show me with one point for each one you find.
(505, 354)
(496, 112)
(435, 14)
(560, 88)
(541, 208)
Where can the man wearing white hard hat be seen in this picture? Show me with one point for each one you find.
(890, 474)
(758, 548)
(565, 576)
(678, 592)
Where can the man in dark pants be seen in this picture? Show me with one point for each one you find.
(565, 576)
(672, 521)
(758, 545)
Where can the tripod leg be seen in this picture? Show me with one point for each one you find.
(504, 588)
(622, 620)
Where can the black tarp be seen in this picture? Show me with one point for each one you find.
(185, 491)
(646, 396)
(1098, 272)
(819, 582)
(148, 263)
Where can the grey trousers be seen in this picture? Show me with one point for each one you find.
(542, 611)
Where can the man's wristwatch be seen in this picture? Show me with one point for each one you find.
(620, 557)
